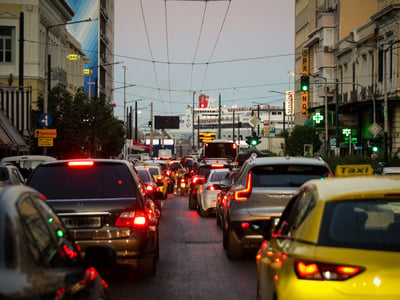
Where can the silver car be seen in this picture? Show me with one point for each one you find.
(208, 192)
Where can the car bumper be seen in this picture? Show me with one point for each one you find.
(210, 201)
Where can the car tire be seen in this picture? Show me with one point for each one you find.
(218, 218)
(147, 266)
(224, 238)
(234, 250)
(192, 203)
(202, 212)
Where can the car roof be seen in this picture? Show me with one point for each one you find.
(285, 160)
(219, 170)
(27, 157)
(391, 170)
(353, 188)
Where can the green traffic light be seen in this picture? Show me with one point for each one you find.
(305, 82)
(254, 142)
(375, 149)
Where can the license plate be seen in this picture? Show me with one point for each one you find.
(82, 222)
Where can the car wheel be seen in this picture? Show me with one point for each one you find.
(224, 238)
(218, 218)
(192, 202)
(202, 212)
(147, 266)
(234, 249)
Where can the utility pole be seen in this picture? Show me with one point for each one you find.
(233, 126)
(151, 129)
(136, 122)
(258, 116)
(123, 68)
(219, 117)
(194, 93)
(21, 51)
(198, 131)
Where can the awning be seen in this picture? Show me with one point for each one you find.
(9, 136)
(141, 146)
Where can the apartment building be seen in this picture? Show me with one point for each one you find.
(352, 62)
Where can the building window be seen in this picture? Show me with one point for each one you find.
(6, 44)
(380, 65)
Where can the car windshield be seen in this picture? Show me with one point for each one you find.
(286, 175)
(218, 176)
(144, 174)
(102, 180)
(204, 170)
(362, 224)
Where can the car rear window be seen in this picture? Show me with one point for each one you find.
(154, 171)
(218, 176)
(102, 180)
(144, 174)
(362, 224)
(286, 175)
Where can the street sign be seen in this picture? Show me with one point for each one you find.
(45, 133)
(45, 120)
(375, 129)
(45, 142)
(254, 121)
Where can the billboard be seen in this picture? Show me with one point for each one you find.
(87, 34)
(166, 122)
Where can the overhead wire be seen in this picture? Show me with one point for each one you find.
(169, 65)
(151, 52)
(198, 43)
(216, 42)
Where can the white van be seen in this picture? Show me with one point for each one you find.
(26, 163)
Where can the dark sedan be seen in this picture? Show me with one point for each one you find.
(38, 259)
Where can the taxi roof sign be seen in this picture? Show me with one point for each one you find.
(353, 170)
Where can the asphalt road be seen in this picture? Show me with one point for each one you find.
(192, 265)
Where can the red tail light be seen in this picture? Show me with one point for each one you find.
(324, 271)
(211, 188)
(196, 179)
(217, 165)
(132, 219)
(243, 195)
(86, 163)
(149, 188)
(182, 180)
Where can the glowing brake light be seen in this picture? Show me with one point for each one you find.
(243, 195)
(149, 188)
(234, 146)
(132, 219)
(196, 179)
(87, 163)
(324, 271)
(211, 188)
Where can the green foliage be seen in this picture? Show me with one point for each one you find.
(85, 128)
(300, 136)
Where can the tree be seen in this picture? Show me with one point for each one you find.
(300, 136)
(85, 128)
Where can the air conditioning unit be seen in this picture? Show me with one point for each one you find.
(328, 49)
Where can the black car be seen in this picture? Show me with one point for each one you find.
(102, 202)
(224, 187)
(38, 257)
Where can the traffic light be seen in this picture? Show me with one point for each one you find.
(375, 149)
(254, 140)
(305, 83)
(150, 124)
(248, 140)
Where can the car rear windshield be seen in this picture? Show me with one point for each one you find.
(154, 171)
(220, 150)
(101, 180)
(218, 176)
(144, 174)
(286, 175)
(362, 224)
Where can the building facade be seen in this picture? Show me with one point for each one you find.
(353, 68)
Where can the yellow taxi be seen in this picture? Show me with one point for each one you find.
(336, 239)
(159, 178)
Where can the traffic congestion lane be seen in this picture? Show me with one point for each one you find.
(192, 262)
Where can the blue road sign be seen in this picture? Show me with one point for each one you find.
(45, 120)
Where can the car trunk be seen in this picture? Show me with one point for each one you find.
(271, 201)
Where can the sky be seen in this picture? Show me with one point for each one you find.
(236, 50)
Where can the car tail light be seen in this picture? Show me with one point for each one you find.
(168, 173)
(132, 219)
(196, 179)
(217, 165)
(182, 180)
(243, 195)
(324, 271)
(211, 188)
(86, 163)
(149, 188)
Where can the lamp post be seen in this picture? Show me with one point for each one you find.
(194, 93)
